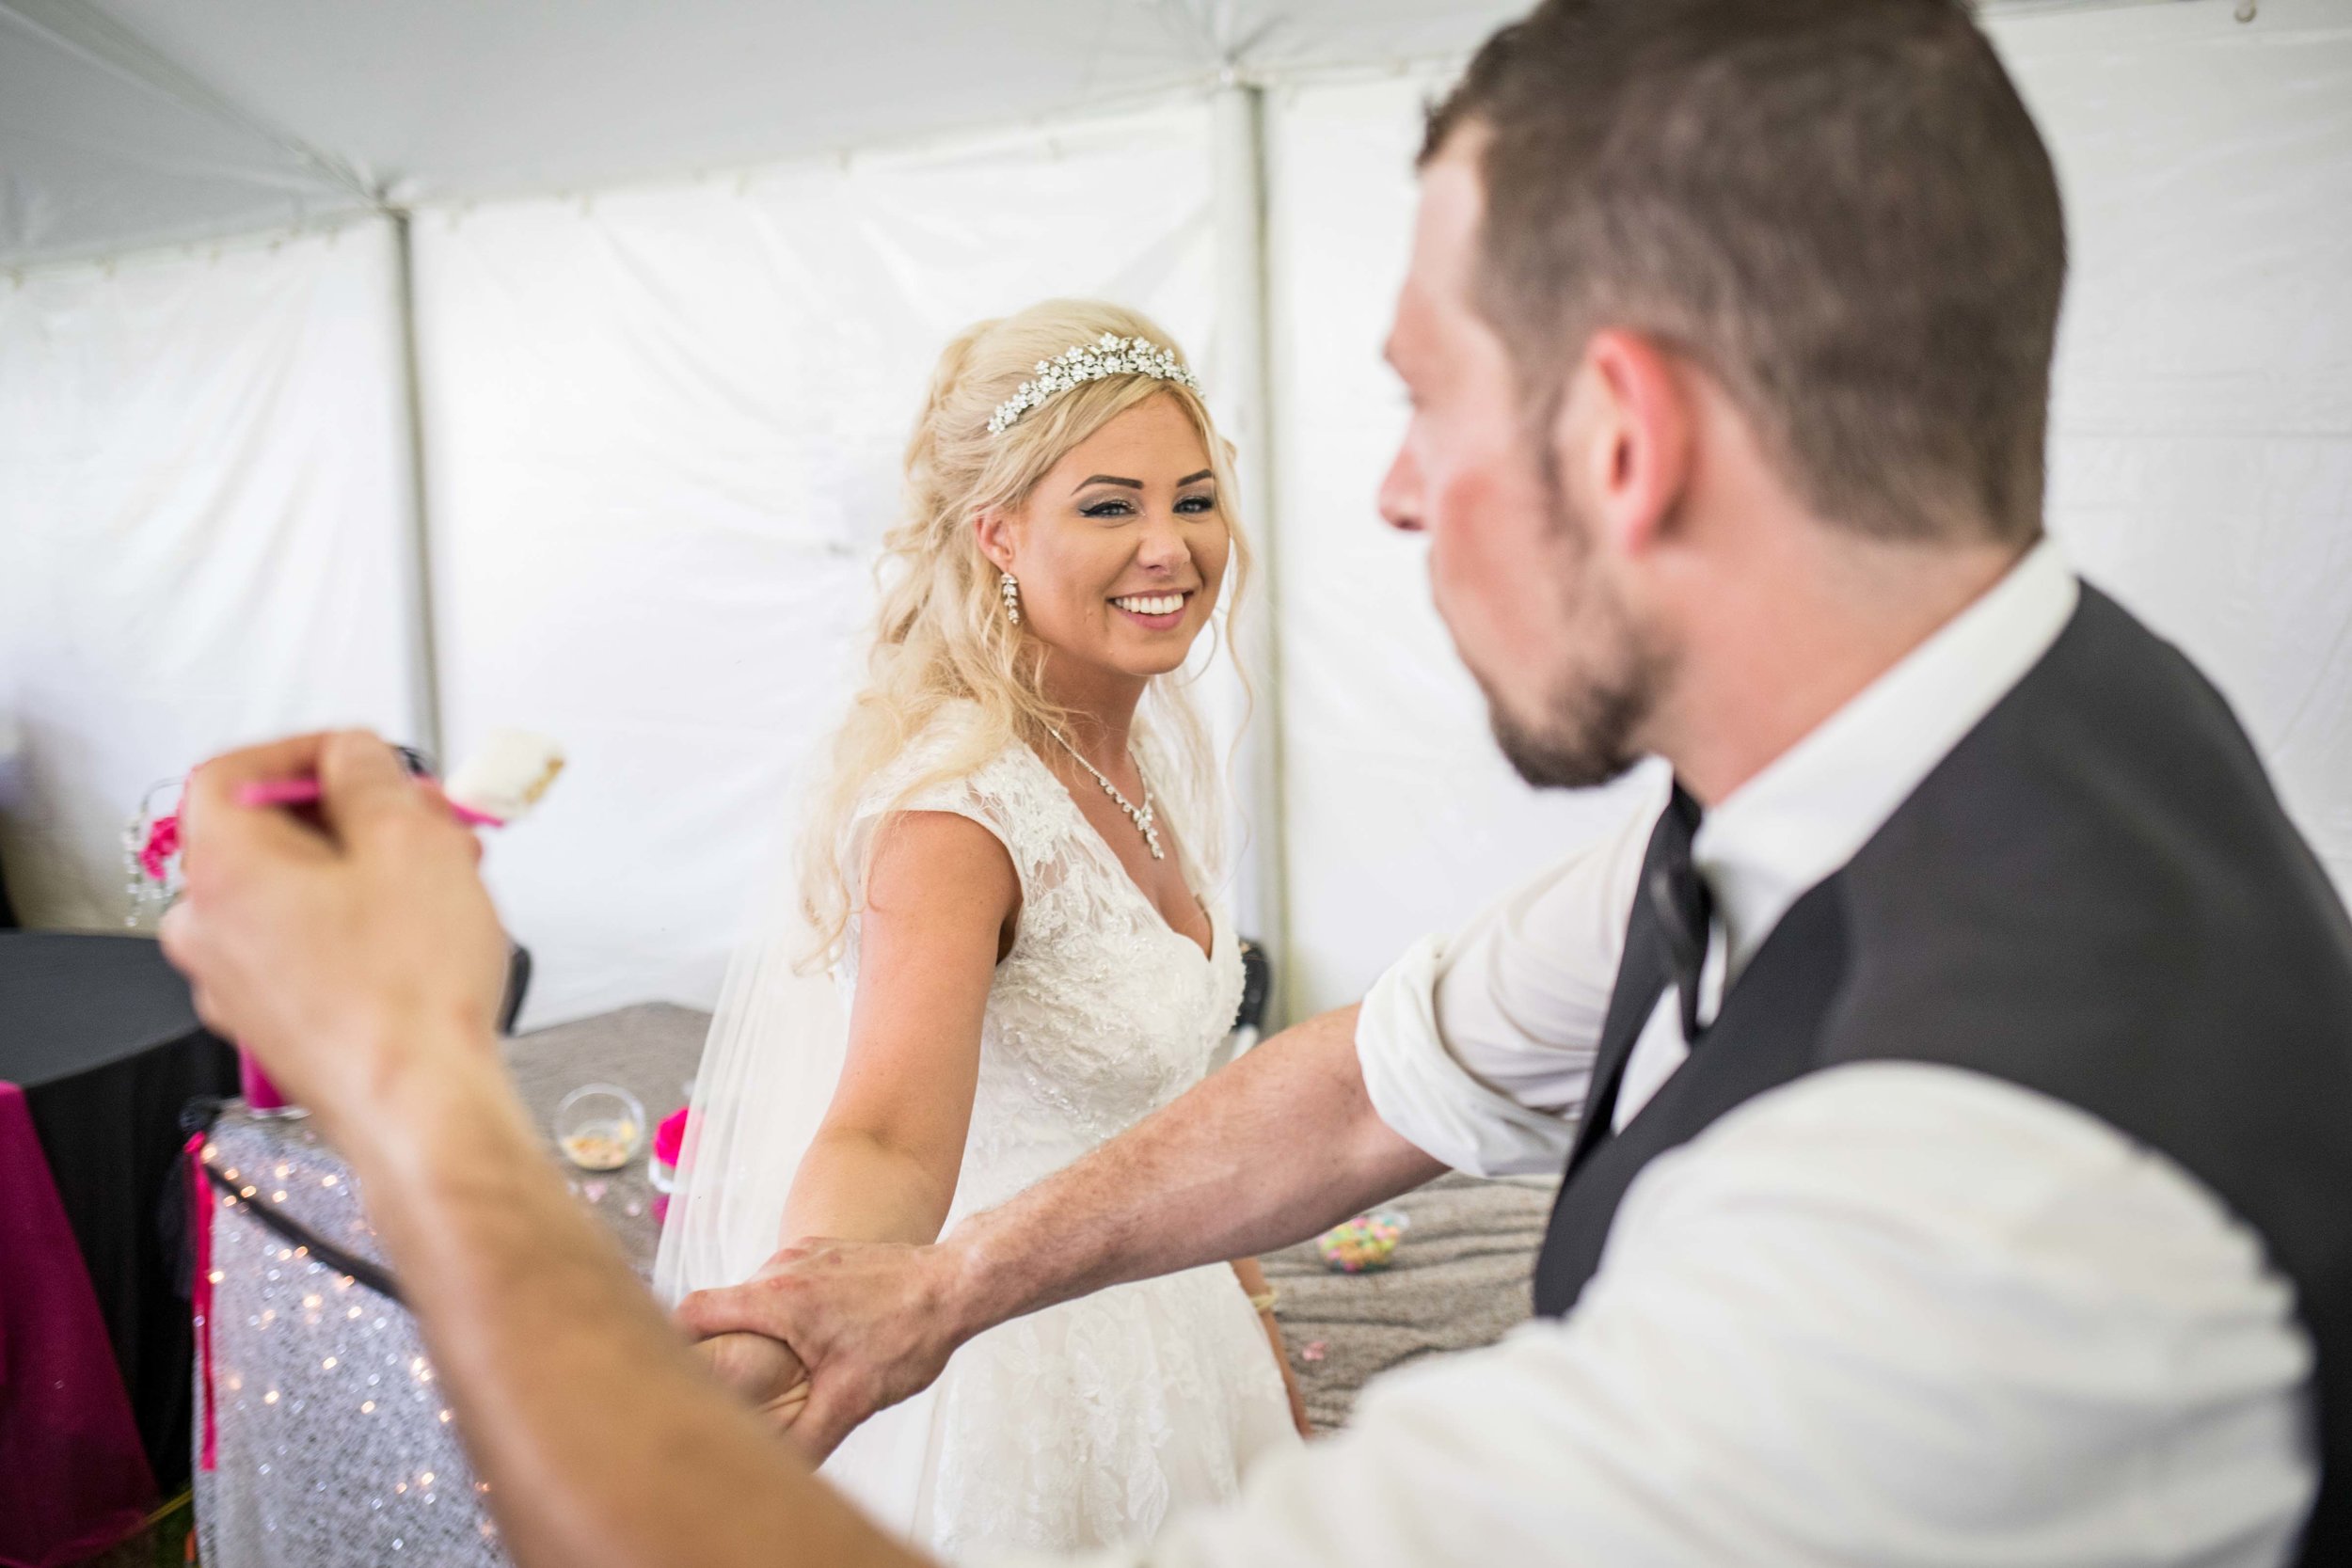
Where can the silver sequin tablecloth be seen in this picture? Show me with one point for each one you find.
(333, 1444)
(330, 1440)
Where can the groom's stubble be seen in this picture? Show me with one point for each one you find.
(1597, 705)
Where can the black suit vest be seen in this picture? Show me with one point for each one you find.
(2094, 896)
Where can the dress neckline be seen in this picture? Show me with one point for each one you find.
(1119, 867)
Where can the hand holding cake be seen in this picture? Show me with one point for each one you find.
(345, 950)
(498, 784)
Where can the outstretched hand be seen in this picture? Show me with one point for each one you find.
(868, 1319)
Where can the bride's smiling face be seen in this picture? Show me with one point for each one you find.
(1120, 547)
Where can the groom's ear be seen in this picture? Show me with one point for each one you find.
(1624, 437)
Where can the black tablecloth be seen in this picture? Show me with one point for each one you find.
(100, 1034)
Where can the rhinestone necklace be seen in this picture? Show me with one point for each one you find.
(1141, 816)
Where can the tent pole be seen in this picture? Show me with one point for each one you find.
(1238, 136)
(425, 668)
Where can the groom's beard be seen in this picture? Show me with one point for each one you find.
(1584, 740)
(1599, 701)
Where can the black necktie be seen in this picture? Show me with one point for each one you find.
(1680, 903)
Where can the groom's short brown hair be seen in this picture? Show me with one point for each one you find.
(1840, 208)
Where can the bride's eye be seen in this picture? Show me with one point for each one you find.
(1195, 505)
(1107, 508)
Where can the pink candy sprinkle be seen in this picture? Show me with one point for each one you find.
(1313, 1350)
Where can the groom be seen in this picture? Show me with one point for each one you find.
(1950, 1073)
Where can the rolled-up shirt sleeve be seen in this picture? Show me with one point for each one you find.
(1478, 1048)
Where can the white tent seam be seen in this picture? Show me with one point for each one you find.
(227, 242)
(83, 29)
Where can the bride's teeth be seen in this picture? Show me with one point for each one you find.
(1158, 604)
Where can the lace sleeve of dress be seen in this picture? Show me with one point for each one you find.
(999, 795)
(958, 795)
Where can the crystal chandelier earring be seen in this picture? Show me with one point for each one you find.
(1011, 587)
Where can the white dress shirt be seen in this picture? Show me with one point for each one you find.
(1890, 1313)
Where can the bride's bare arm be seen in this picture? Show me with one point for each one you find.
(940, 895)
(1278, 1147)
(940, 898)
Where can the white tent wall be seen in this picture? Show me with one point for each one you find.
(664, 429)
(1401, 815)
(203, 535)
(2201, 458)
(2201, 431)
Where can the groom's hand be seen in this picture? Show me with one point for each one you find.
(347, 947)
(870, 1319)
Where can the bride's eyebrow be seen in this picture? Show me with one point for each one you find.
(1137, 485)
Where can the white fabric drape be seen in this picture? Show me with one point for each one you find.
(665, 429)
(203, 515)
(779, 1038)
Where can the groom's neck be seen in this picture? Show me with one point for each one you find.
(1780, 646)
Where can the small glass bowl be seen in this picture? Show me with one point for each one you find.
(600, 1127)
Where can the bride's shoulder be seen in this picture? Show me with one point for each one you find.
(958, 762)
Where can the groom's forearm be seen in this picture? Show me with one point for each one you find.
(602, 1444)
(1275, 1148)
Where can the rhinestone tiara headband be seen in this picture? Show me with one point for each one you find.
(1109, 355)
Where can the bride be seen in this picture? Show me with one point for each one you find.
(1001, 949)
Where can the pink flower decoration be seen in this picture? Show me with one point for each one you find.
(670, 1136)
(163, 842)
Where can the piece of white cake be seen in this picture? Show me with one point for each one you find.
(505, 777)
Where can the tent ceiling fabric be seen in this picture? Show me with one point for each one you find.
(431, 100)
(95, 152)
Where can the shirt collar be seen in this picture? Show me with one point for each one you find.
(1816, 805)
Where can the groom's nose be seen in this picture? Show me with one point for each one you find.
(1400, 492)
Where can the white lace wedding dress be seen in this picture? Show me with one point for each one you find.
(1086, 1424)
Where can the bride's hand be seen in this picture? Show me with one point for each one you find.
(870, 1319)
(762, 1371)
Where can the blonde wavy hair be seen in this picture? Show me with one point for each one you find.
(940, 635)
